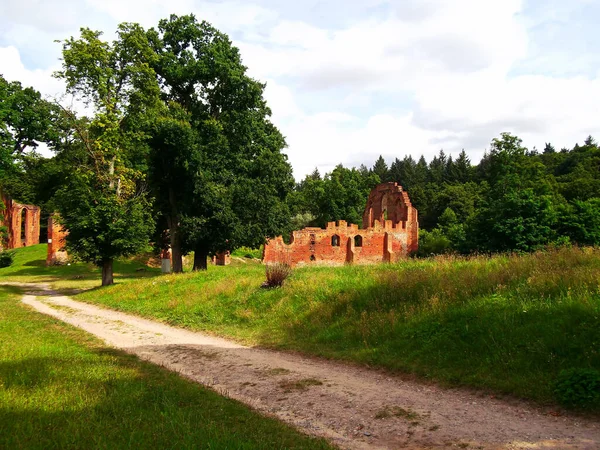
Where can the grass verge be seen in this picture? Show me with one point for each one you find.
(509, 323)
(61, 388)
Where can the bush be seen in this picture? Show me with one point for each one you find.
(433, 243)
(6, 258)
(247, 252)
(578, 388)
(277, 274)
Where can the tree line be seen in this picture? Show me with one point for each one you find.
(176, 148)
(514, 199)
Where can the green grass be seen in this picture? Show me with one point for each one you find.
(29, 266)
(510, 323)
(61, 388)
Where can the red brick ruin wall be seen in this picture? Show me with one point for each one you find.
(390, 232)
(13, 215)
(56, 242)
(388, 201)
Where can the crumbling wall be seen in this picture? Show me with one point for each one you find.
(388, 201)
(13, 216)
(56, 242)
(222, 258)
(390, 232)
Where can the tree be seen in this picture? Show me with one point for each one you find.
(104, 204)
(238, 176)
(25, 120)
(580, 221)
(174, 159)
(463, 171)
(519, 210)
(437, 168)
(380, 169)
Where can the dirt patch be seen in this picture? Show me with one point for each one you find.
(352, 407)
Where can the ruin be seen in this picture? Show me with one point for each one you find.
(22, 224)
(390, 231)
(56, 242)
(222, 258)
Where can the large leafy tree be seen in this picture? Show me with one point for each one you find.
(104, 204)
(519, 209)
(26, 119)
(236, 178)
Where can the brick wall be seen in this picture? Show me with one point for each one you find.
(390, 232)
(56, 242)
(13, 217)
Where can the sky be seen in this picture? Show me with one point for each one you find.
(349, 80)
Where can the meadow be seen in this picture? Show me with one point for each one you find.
(62, 388)
(507, 324)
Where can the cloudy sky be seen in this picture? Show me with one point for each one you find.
(348, 80)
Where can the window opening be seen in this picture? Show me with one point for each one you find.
(358, 241)
(335, 240)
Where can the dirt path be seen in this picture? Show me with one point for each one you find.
(352, 407)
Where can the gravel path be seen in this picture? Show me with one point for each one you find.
(352, 407)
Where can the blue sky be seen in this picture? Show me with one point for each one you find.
(350, 80)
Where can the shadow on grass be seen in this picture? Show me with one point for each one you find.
(108, 399)
(513, 345)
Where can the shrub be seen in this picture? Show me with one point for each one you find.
(6, 258)
(247, 252)
(433, 243)
(277, 274)
(578, 388)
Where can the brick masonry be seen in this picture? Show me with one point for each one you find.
(390, 232)
(222, 258)
(56, 242)
(14, 216)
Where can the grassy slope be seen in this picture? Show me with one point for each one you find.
(30, 266)
(61, 388)
(509, 323)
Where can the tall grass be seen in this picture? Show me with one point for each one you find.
(509, 323)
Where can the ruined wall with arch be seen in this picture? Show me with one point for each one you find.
(22, 222)
(390, 232)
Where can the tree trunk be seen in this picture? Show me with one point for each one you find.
(176, 256)
(173, 222)
(107, 272)
(200, 256)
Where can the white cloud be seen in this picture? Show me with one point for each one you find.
(389, 77)
(13, 69)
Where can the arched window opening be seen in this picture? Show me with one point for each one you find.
(312, 258)
(23, 234)
(335, 240)
(358, 241)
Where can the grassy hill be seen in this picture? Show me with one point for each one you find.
(509, 323)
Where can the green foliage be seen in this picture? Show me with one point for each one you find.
(580, 221)
(7, 257)
(25, 120)
(433, 243)
(340, 195)
(513, 200)
(247, 252)
(578, 388)
(103, 203)
(225, 185)
(101, 226)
